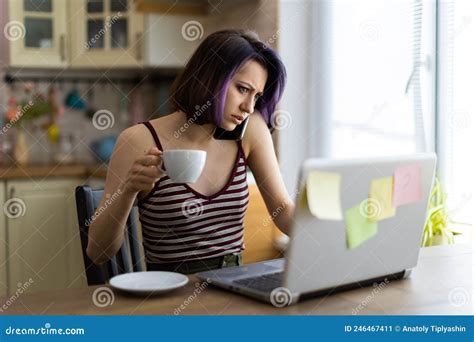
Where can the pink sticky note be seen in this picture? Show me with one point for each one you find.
(407, 184)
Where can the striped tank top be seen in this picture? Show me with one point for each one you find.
(180, 224)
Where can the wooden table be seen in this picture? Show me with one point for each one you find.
(441, 284)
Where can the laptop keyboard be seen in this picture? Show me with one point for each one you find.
(263, 283)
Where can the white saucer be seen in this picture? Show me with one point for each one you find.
(152, 282)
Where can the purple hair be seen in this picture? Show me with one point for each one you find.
(208, 73)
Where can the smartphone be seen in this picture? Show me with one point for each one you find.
(237, 134)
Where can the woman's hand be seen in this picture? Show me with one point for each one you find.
(145, 171)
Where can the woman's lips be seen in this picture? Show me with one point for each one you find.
(237, 119)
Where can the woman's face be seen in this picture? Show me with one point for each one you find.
(244, 90)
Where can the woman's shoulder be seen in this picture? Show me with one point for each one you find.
(133, 141)
(255, 129)
(135, 134)
(140, 134)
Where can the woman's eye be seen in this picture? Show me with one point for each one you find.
(243, 90)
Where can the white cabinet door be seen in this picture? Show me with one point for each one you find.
(44, 246)
(106, 33)
(36, 31)
(170, 40)
(3, 245)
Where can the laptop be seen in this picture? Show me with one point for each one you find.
(320, 259)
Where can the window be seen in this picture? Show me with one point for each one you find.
(382, 74)
(390, 95)
(456, 106)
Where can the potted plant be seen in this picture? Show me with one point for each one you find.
(29, 109)
(437, 231)
(24, 112)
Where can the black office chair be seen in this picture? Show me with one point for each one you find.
(127, 258)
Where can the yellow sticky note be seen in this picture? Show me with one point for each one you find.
(358, 228)
(379, 206)
(323, 193)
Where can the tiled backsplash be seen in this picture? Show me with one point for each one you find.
(114, 97)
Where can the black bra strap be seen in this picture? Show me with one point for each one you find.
(153, 133)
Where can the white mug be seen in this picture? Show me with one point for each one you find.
(184, 166)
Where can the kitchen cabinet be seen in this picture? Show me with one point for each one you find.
(37, 32)
(105, 33)
(43, 243)
(191, 7)
(171, 39)
(79, 33)
(3, 246)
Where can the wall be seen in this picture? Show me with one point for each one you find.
(260, 16)
(295, 23)
(3, 62)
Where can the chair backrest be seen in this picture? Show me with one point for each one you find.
(127, 258)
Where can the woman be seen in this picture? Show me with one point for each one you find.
(189, 228)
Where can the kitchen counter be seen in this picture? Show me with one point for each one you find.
(16, 171)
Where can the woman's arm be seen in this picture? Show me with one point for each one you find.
(263, 163)
(132, 170)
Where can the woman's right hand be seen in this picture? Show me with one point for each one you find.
(145, 171)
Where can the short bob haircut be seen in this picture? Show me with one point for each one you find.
(201, 88)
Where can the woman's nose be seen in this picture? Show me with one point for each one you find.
(247, 106)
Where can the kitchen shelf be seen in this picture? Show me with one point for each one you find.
(123, 75)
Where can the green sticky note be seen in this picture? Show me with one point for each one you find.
(358, 227)
(379, 206)
(323, 194)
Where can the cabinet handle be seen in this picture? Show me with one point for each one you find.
(62, 47)
(138, 37)
(12, 193)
